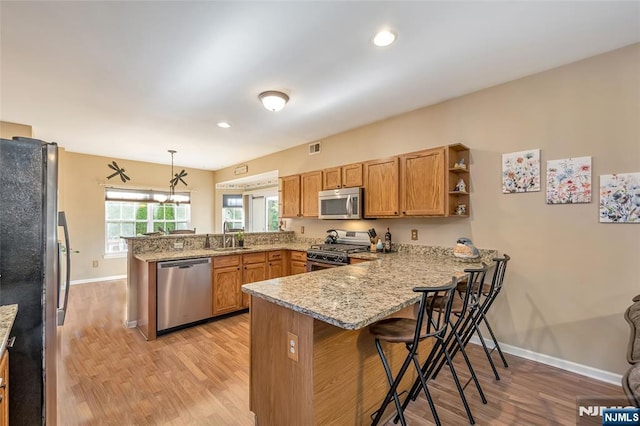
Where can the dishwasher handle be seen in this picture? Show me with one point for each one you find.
(184, 263)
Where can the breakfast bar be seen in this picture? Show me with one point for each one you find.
(313, 361)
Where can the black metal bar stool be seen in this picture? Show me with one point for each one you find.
(487, 292)
(432, 321)
(463, 308)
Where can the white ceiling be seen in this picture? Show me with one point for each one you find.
(134, 79)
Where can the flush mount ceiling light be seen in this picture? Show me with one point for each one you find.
(224, 125)
(384, 38)
(273, 100)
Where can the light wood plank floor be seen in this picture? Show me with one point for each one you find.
(200, 376)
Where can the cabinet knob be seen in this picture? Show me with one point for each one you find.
(238, 269)
(404, 212)
(395, 212)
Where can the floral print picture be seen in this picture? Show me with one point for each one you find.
(620, 198)
(569, 181)
(521, 171)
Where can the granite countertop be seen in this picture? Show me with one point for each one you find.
(355, 296)
(192, 254)
(7, 316)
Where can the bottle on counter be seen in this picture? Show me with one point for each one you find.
(387, 241)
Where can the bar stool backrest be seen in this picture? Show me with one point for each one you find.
(434, 311)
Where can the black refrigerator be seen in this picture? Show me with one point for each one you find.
(34, 273)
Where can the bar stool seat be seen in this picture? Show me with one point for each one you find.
(394, 330)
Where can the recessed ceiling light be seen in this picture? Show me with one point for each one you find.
(224, 125)
(384, 38)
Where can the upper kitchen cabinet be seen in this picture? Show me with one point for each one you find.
(381, 188)
(423, 183)
(458, 180)
(290, 196)
(349, 176)
(311, 184)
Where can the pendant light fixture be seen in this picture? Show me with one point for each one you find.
(273, 100)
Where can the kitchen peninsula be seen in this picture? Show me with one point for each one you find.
(313, 361)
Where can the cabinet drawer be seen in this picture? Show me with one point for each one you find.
(225, 261)
(274, 255)
(253, 258)
(299, 256)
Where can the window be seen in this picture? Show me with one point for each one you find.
(135, 212)
(272, 213)
(232, 211)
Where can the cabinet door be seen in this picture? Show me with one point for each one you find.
(290, 187)
(274, 269)
(423, 190)
(298, 267)
(226, 289)
(332, 178)
(381, 188)
(252, 273)
(352, 175)
(311, 185)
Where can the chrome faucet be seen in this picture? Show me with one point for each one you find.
(225, 228)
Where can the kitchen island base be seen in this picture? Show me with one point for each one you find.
(338, 377)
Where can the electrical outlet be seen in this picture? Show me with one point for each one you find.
(302, 229)
(94, 263)
(178, 245)
(292, 346)
(414, 234)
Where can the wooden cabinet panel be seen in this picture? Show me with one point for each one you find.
(381, 188)
(352, 175)
(298, 263)
(226, 289)
(254, 258)
(422, 177)
(274, 264)
(4, 389)
(225, 261)
(290, 196)
(311, 184)
(332, 178)
(252, 273)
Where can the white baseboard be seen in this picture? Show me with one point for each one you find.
(96, 280)
(574, 367)
(130, 324)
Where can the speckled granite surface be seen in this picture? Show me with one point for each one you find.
(7, 316)
(160, 256)
(353, 297)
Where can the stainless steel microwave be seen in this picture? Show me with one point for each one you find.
(343, 203)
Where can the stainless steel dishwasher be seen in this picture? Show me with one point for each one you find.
(184, 292)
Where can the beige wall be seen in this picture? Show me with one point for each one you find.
(571, 277)
(82, 183)
(9, 130)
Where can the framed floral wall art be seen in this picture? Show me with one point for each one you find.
(569, 181)
(521, 171)
(620, 198)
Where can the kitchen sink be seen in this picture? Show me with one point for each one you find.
(229, 248)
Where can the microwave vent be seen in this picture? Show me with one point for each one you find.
(314, 148)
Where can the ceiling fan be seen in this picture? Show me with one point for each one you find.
(118, 171)
(178, 178)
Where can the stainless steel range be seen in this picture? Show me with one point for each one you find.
(323, 256)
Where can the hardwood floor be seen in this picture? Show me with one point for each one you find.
(200, 376)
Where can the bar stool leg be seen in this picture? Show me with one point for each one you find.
(426, 391)
(393, 387)
(488, 353)
(495, 341)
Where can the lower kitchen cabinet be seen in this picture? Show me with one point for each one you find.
(226, 281)
(4, 389)
(274, 264)
(298, 263)
(254, 269)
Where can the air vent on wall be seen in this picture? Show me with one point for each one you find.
(314, 148)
